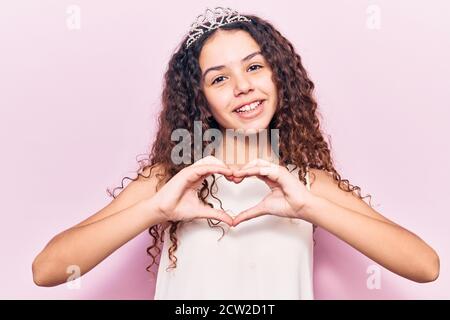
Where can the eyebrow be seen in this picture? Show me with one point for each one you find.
(251, 55)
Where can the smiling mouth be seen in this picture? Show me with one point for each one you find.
(250, 107)
(251, 111)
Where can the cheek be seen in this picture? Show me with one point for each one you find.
(265, 83)
(269, 84)
(218, 101)
(271, 89)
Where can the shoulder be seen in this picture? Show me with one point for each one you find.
(148, 179)
(320, 179)
(325, 186)
(151, 173)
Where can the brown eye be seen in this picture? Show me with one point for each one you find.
(216, 79)
(256, 65)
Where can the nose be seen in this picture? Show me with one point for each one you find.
(242, 84)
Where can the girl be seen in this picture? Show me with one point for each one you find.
(236, 72)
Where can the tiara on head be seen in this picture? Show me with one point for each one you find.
(212, 19)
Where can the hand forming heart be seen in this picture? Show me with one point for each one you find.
(288, 195)
(178, 199)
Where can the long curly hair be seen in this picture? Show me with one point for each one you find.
(301, 140)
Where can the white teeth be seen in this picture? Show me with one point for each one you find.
(249, 107)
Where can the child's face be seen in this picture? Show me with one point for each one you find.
(238, 82)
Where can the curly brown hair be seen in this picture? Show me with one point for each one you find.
(301, 141)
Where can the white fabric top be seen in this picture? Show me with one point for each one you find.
(267, 257)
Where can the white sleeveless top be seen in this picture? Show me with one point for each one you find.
(267, 257)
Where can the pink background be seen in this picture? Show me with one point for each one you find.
(77, 106)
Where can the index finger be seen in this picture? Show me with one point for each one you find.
(196, 173)
(257, 162)
(274, 173)
(209, 160)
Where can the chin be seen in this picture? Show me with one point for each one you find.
(257, 124)
(252, 126)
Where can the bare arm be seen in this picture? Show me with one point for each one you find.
(137, 208)
(353, 221)
(91, 241)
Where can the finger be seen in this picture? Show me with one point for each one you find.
(217, 214)
(256, 170)
(233, 179)
(239, 175)
(267, 181)
(212, 168)
(236, 180)
(210, 160)
(256, 162)
(194, 174)
(248, 214)
(275, 173)
(249, 165)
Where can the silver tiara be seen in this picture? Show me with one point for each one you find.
(212, 19)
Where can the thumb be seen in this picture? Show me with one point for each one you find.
(248, 214)
(216, 214)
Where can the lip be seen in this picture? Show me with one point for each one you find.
(240, 106)
(251, 114)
